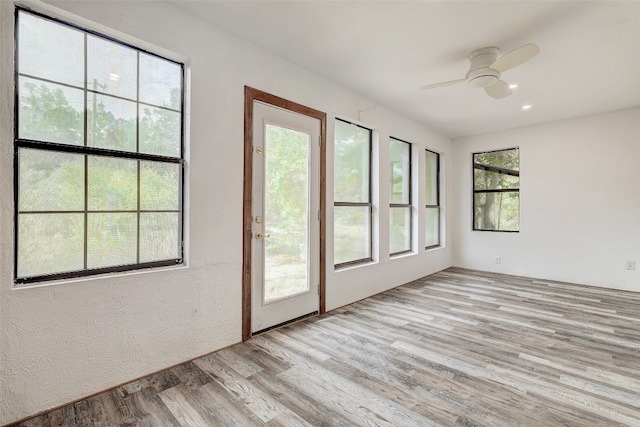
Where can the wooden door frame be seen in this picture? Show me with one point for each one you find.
(251, 95)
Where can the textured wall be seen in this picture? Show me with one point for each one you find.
(579, 202)
(63, 341)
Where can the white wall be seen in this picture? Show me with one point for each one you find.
(579, 202)
(63, 341)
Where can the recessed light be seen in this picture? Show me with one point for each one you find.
(526, 107)
(513, 86)
(114, 77)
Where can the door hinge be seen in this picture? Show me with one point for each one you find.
(319, 215)
(318, 289)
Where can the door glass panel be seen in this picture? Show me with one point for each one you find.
(286, 212)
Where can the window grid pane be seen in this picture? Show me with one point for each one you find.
(432, 227)
(159, 236)
(50, 51)
(50, 112)
(112, 184)
(399, 230)
(111, 123)
(432, 162)
(50, 181)
(352, 234)
(400, 157)
(432, 197)
(111, 68)
(352, 194)
(111, 239)
(352, 176)
(400, 218)
(40, 233)
(496, 190)
(496, 211)
(97, 198)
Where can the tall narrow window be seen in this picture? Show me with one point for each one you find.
(400, 197)
(496, 190)
(432, 199)
(352, 194)
(99, 154)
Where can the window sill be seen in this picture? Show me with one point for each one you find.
(496, 231)
(400, 255)
(354, 266)
(105, 276)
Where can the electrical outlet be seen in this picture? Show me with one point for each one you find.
(498, 260)
(629, 265)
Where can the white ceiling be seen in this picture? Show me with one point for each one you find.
(589, 59)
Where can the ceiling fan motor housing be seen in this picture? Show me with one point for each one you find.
(479, 74)
(486, 68)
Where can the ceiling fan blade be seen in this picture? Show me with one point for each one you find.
(449, 83)
(514, 58)
(498, 90)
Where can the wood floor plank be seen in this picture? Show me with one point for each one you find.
(292, 395)
(225, 409)
(176, 401)
(262, 405)
(457, 348)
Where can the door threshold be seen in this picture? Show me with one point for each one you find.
(288, 322)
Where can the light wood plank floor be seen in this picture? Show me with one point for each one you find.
(457, 348)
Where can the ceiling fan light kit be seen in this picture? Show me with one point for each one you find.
(480, 74)
(486, 68)
(482, 78)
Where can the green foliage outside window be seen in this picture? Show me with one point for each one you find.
(496, 190)
(400, 197)
(99, 170)
(352, 193)
(287, 186)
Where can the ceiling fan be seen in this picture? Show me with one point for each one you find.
(486, 68)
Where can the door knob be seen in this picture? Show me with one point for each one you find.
(259, 235)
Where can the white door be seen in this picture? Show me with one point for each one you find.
(285, 220)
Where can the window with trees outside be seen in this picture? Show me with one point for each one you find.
(400, 208)
(432, 199)
(99, 153)
(496, 190)
(352, 194)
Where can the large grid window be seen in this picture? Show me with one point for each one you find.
(432, 199)
(352, 194)
(400, 208)
(98, 145)
(496, 190)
